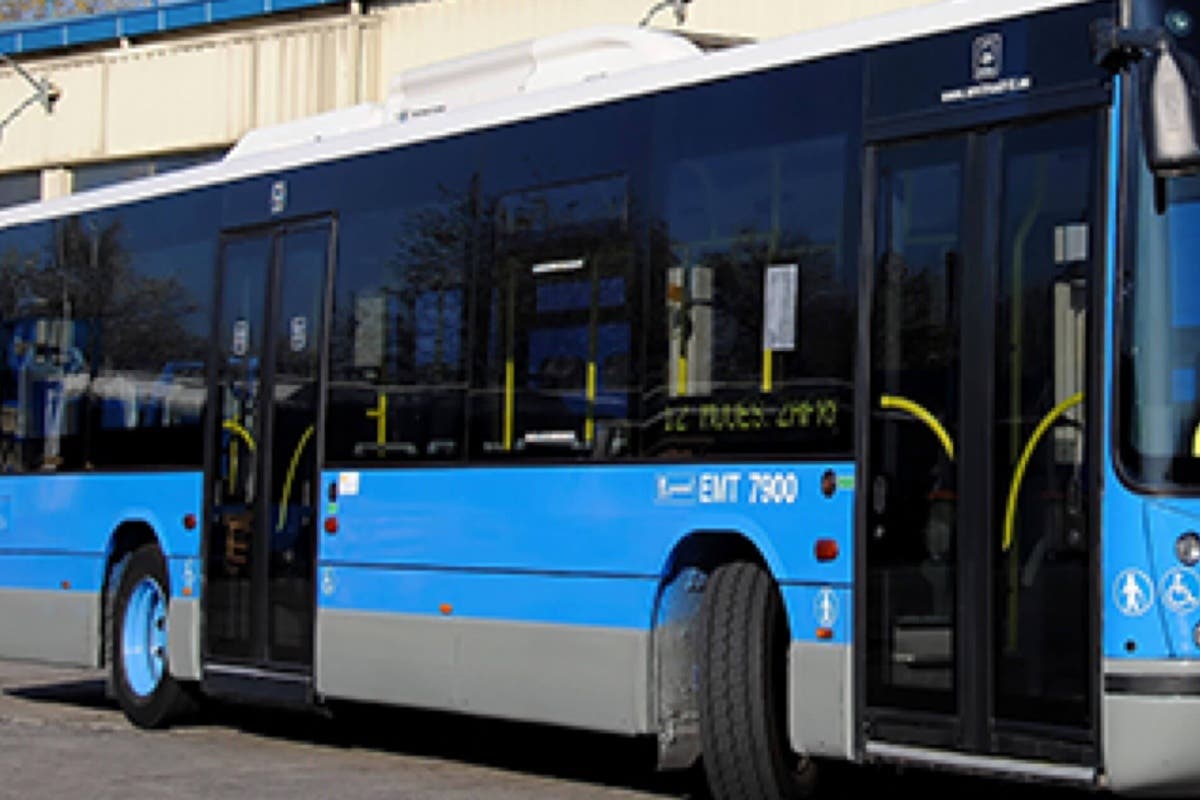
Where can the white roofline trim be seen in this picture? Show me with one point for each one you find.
(858, 35)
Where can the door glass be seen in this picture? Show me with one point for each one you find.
(1042, 596)
(234, 483)
(298, 322)
(915, 376)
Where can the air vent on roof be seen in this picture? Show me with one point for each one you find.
(559, 60)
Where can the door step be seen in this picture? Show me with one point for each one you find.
(258, 685)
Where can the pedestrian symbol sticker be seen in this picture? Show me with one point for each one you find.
(825, 607)
(1180, 590)
(1133, 592)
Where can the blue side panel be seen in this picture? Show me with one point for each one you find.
(1150, 601)
(183, 573)
(568, 600)
(74, 572)
(825, 608)
(1126, 557)
(53, 520)
(567, 545)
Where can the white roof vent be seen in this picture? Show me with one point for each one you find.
(560, 60)
(539, 64)
(309, 129)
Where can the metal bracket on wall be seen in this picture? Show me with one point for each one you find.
(44, 92)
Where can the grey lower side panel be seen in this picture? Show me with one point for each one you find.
(582, 677)
(1150, 740)
(183, 638)
(821, 686)
(60, 627)
(1150, 744)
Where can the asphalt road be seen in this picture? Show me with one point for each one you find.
(61, 737)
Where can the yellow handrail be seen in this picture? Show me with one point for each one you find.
(1010, 508)
(291, 474)
(230, 425)
(920, 412)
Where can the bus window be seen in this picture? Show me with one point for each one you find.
(559, 309)
(398, 367)
(759, 311)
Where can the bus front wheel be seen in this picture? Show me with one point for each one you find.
(743, 673)
(142, 682)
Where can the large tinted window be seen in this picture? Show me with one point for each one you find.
(559, 292)
(559, 304)
(756, 247)
(105, 329)
(398, 367)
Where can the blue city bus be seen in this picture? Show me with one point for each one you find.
(833, 398)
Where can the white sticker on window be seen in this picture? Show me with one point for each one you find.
(1071, 243)
(781, 285)
(298, 328)
(241, 337)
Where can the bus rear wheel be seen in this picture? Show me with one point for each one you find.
(141, 679)
(743, 672)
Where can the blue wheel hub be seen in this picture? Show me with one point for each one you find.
(144, 637)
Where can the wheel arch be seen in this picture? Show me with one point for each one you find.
(128, 537)
(674, 635)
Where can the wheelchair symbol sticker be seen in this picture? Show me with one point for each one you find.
(1133, 592)
(1180, 589)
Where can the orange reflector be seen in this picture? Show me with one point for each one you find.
(189, 521)
(446, 608)
(66, 584)
(826, 549)
(331, 525)
(824, 633)
(187, 591)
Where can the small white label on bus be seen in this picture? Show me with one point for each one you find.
(723, 488)
(347, 484)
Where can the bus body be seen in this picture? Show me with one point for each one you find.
(826, 398)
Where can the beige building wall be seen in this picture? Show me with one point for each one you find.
(205, 88)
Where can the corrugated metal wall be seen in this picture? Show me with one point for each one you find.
(208, 88)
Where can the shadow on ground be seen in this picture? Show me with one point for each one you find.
(603, 760)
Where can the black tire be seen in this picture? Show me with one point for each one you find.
(743, 675)
(141, 677)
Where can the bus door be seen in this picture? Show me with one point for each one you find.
(980, 626)
(262, 466)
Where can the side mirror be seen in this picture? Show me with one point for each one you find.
(1169, 80)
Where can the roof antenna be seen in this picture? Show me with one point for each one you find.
(680, 7)
(44, 92)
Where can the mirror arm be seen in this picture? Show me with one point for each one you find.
(1115, 48)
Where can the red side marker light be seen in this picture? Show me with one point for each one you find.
(189, 521)
(824, 633)
(446, 609)
(826, 549)
(331, 525)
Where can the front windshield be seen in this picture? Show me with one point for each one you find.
(1159, 373)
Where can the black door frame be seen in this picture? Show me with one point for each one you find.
(973, 728)
(275, 236)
